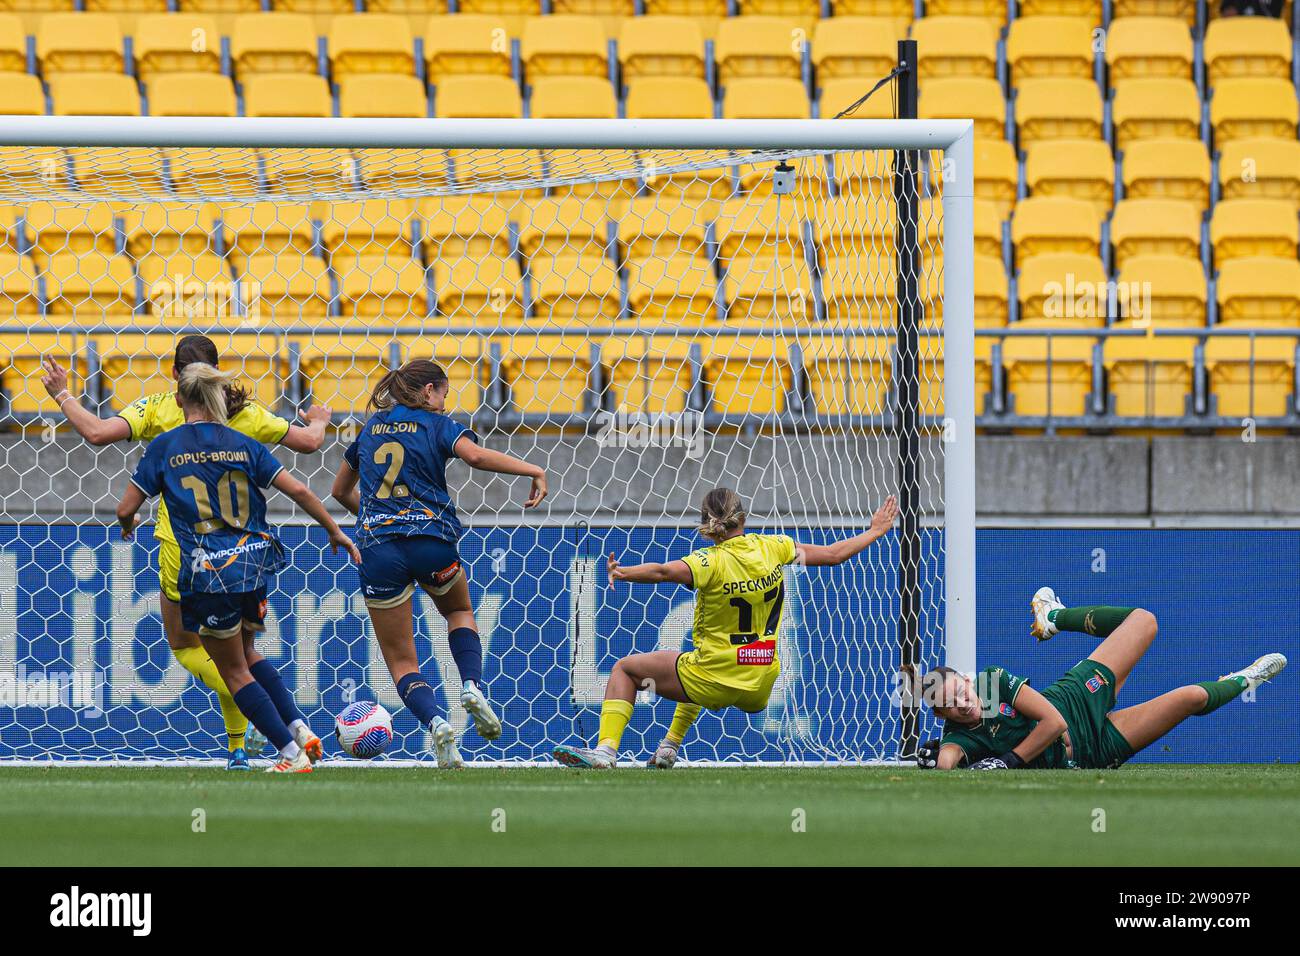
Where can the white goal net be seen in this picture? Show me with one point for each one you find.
(647, 314)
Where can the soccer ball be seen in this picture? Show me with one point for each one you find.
(364, 729)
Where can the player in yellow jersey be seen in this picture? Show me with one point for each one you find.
(739, 592)
(145, 420)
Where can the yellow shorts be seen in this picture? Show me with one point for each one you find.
(703, 688)
(169, 569)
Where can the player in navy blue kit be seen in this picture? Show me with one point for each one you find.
(394, 479)
(211, 478)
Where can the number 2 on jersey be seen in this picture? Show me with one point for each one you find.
(394, 454)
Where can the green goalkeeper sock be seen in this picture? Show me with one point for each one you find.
(1221, 692)
(1096, 619)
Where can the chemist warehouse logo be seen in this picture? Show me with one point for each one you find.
(76, 909)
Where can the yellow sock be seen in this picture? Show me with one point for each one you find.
(614, 715)
(683, 717)
(197, 662)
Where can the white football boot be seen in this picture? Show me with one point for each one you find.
(665, 755)
(444, 745)
(1044, 600)
(309, 742)
(584, 758)
(299, 763)
(1263, 669)
(476, 705)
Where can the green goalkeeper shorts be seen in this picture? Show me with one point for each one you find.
(1085, 697)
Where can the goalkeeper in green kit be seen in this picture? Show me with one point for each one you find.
(999, 722)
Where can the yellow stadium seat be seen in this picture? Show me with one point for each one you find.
(1184, 10)
(954, 46)
(991, 10)
(1177, 290)
(381, 94)
(1247, 47)
(802, 9)
(980, 99)
(487, 292)
(765, 99)
(838, 95)
(376, 228)
(287, 94)
(21, 94)
(225, 12)
(1253, 107)
(1158, 108)
(1055, 224)
(94, 94)
(1058, 108)
(391, 289)
(163, 230)
(1149, 48)
(466, 44)
(568, 289)
(746, 375)
(90, 285)
(1048, 46)
(1078, 168)
(214, 172)
(21, 354)
(416, 12)
(707, 14)
(849, 376)
(134, 365)
(992, 295)
(650, 228)
(66, 229)
(472, 227)
(661, 46)
(572, 97)
(848, 223)
(191, 94)
(770, 290)
(1168, 169)
(475, 96)
(1147, 227)
(747, 228)
(757, 46)
(559, 45)
(1089, 10)
(989, 217)
(19, 295)
(286, 287)
(568, 227)
(267, 228)
(665, 97)
(185, 289)
(130, 172)
(1242, 228)
(79, 43)
(13, 44)
(1259, 291)
(301, 171)
(900, 11)
(1261, 169)
(648, 375)
(856, 47)
(996, 173)
(165, 43)
(320, 12)
(1063, 290)
(512, 14)
(1039, 388)
(273, 43)
(547, 374)
(667, 289)
(370, 43)
(342, 371)
(857, 289)
(1149, 377)
(1251, 378)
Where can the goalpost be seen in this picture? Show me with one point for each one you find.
(649, 308)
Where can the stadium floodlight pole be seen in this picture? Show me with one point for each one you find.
(907, 432)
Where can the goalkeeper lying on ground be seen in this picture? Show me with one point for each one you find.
(999, 722)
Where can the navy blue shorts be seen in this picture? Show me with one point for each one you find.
(223, 615)
(391, 569)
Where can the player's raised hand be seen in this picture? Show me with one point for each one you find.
(885, 516)
(927, 755)
(537, 492)
(128, 527)
(341, 540)
(615, 572)
(55, 377)
(317, 413)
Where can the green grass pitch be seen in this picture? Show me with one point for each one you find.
(1154, 815)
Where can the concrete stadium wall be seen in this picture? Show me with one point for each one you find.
(1160, 480)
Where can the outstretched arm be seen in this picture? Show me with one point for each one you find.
(96, 430)
(676, 572)
(824, 555)
(485, 459)
(132, 500)
(308, 502)
(308, 438)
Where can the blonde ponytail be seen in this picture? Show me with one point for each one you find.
(721, 513)
(205, 386)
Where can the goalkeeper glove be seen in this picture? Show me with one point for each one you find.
(1008, 761)
(927, 755)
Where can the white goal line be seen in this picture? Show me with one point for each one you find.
(333, 763)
